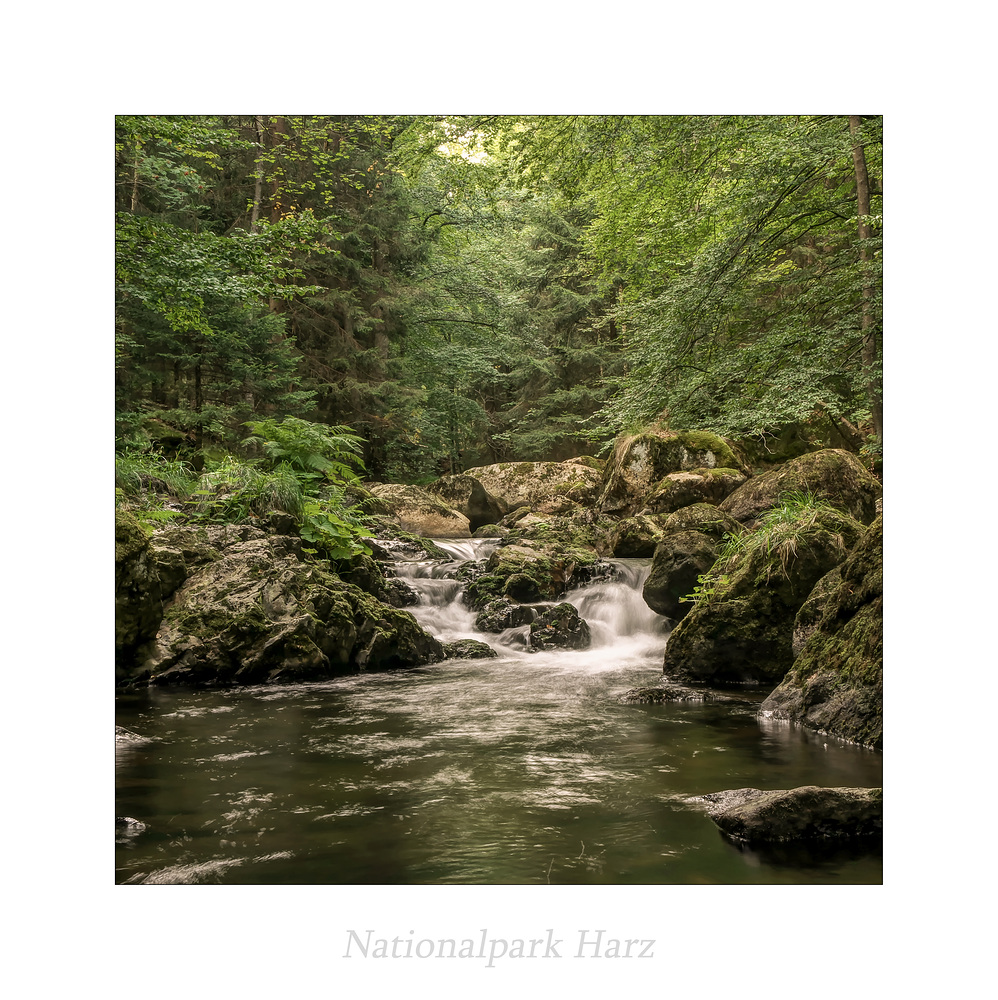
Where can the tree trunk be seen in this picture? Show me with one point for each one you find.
(869, 330)
(135, 180)
(258, 188)
(198, 460)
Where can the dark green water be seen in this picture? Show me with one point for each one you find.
(522, 770)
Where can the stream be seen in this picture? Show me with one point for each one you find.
(524, 769)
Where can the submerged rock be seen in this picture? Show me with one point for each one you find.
(807, 813)
(468, 649)
(560, 627)
(836, 683)
(663, 693)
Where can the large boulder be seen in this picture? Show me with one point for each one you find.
(740, 628)
(703, 517)
(468, 496)
(836, 683)
(691, 540)
(807, 813)
(636, 537)
(263, 612)
(679, 560)
(641, 461)
(682, 489)
(516, 484)
(422, 513)
(831, 474)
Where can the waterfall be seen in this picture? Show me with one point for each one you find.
(612, 605)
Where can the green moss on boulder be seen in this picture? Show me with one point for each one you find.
(832, 475)
(262, 612)
(836, 682)
(640, 461)
(742, 631)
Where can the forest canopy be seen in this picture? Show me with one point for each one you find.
(462, 290)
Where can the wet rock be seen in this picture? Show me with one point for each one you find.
(663, 693)
(831, 474)
(501, 614)
(836, 683)
(400, 594)
(262, 612)
(560, 628)
(807, 813)
(468, 649)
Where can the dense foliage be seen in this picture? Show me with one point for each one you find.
(441, 293)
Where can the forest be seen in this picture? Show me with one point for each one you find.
(499, 499)
(463, 290)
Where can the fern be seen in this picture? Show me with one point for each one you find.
(313, 450)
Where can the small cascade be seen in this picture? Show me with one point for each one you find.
(440, 585)
(611, 604)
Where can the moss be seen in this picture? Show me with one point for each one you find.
(130, 538)
(707, 441)
(836, 684)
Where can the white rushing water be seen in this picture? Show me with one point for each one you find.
(618, 617)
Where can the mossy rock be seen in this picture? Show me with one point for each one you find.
(501, 613)
(516, 484)
(836, 476)
(836, 683)
(640, 461)
(422, 513)
(636, 537)
(467, 495)
(681, 489)
(705, 518)
(138, 592)
(265, 613)
(469, 649)
(742, 631)
(560, 627)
